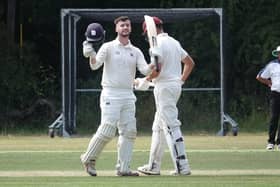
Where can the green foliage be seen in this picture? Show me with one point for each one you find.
(24, 79)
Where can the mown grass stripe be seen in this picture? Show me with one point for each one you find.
(145, 150)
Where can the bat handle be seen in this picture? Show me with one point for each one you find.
(156, 63)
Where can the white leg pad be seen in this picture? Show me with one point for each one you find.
(103, 135)
(176, 146)
(125, 149)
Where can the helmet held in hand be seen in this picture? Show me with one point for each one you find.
(95, 34)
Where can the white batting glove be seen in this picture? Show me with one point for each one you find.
(88, 50)
(141, 84)
(155, 51)
(182, 82)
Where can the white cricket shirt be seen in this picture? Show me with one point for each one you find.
(272, 71)
(173, 54)
(120, 63)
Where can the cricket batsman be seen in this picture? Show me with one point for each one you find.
(119, 59)
(167, 91)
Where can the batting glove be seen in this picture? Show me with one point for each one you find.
(88, 50)
(182, 82)
(142, 84)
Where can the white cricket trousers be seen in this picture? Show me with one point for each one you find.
(166, 98)
(166, 122)
(116, 114)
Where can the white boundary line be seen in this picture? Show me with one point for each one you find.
(80, 173)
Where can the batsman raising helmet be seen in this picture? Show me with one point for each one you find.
(95, 36)
(120, 59)
(167, 91)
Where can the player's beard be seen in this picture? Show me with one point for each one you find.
(125, 34)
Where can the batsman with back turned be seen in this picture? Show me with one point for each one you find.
(167, 91)
(120, 59)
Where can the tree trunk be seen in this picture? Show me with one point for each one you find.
(11, 15)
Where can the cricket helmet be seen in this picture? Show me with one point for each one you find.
(156, 20)
(95, 33)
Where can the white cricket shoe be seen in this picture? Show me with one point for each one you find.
(270, 146)
(175, 173)
(183, 172)
(89, 167)
(147, 170)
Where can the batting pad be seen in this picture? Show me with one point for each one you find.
(103, 135)
(176, 146)
(125, 146)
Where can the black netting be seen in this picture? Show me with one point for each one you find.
(198, 30)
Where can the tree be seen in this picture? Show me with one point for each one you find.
(11, 15)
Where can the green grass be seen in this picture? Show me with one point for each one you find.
(215, 161)
(193, 181)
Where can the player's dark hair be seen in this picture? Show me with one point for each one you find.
(159, 26)
(121, 18)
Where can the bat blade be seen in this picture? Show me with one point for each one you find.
(152, 35)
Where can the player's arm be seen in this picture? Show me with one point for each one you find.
(188, 67)
(142, 65)
(145, 82)
(264, 81)
(146, 69)
(155, 65)
(155, 73)
(264, 76)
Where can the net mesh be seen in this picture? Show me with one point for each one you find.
(198, 32)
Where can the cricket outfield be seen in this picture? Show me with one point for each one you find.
(215, 161)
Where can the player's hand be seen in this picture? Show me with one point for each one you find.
(88, 50)
(154, 72)
(155, 51)
(141, 84)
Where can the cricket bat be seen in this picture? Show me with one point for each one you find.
(152, 36)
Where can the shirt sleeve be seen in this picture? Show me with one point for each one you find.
(100, 57)
(142, 65)
(265, 72)
(184, 53)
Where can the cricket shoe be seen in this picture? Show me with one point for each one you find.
(270, 146)
(184, 171)
(147, 170)
(123, 174)
(127, 174)
(175, 173)
(89, 167)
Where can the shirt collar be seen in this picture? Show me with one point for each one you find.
(163, 34)
(120, 44)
